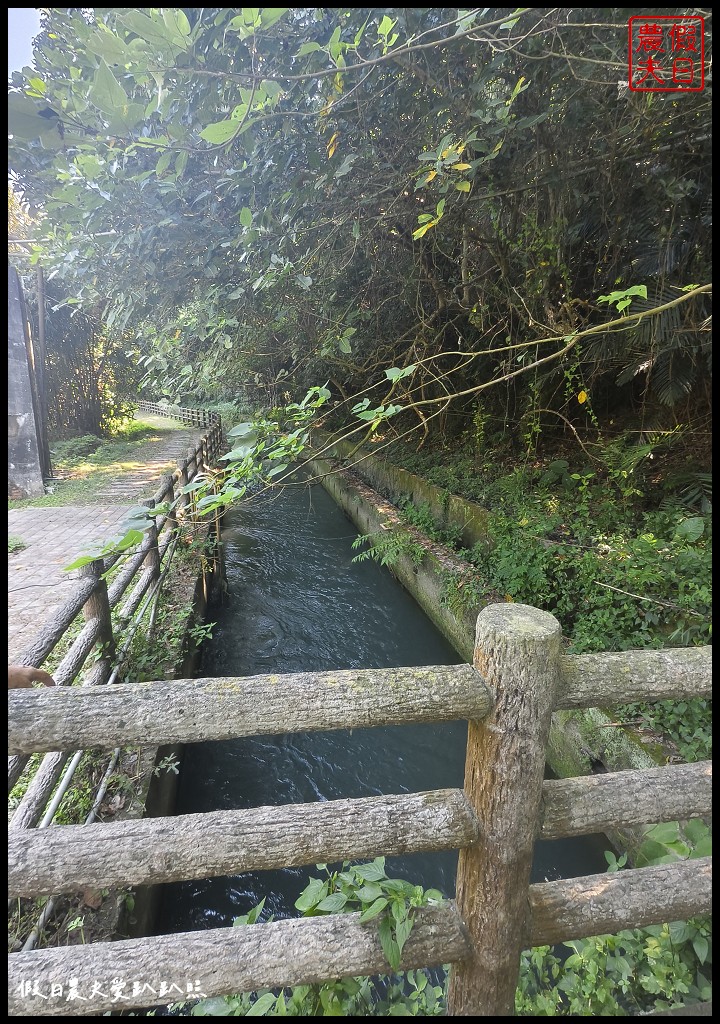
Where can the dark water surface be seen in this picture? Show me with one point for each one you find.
(298, 603)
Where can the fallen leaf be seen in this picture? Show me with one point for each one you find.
(91, 898)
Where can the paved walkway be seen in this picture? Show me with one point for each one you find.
(56, 535)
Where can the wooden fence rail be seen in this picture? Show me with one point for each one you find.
(131, 853)
(194, 417)
(133, 973)
(95, 601)
(518, 678)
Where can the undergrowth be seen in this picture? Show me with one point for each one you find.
(620, 553)
(632, 972)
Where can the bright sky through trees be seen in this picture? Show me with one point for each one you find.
(23, 25)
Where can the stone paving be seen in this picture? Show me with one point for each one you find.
(56, 535)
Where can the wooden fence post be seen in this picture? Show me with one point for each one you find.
(97, 607)
(218, 436)
(183, 499)
(192, 466)
(517, 650)
(152, 559)
(170, 498)
(199, 461)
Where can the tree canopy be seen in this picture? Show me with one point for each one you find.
(421, 207)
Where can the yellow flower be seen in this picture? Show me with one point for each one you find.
(582, 397)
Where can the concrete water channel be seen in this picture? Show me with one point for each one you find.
(297, 601)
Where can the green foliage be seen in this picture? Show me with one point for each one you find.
(687, 722)
(589, 546)
(610, 591)
(420, 516)
(367, 889)
(231, 413)
(84, 464)
(668, 842)
(80, 797)
(201, 632)
(389, 545)
(78, 924)
(634, 971)
(465, 592)
(617, 975)
(15, 544)
(394, 542)
(67, 453)
(167, 764)
(147, 659)
(638, 971)
(579, 544)
(20, 788)
(694, 491)
(88, 374)
(264, 449)
(390, 904)
(623, 299)
(229, 234)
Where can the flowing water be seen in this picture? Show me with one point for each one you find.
(297, 602)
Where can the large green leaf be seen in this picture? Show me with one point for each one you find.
(315, 892)
(106, 93)
(691, 529)
(177, 24)
(221, 131)
(153, 29)
(269, 15)
(108, 45)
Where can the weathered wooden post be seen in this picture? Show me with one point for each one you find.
(152, 559)
(183, 499)
(517, 651)
(192, 471)
(168, 487)
(192, 466)
(218, 435)
(97, 608)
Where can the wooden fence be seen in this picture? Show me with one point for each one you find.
(95, 600)
(195, 417)
(519, 677)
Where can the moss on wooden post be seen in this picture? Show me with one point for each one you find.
(517, 650)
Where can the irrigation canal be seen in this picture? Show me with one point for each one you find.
(298, 602)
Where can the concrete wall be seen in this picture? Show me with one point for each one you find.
(397, 485)
(425, 581)
(24, 472)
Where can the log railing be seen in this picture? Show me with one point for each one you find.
(194, 417)
(518, 679)
(95, 601)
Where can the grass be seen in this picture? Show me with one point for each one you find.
(15, 544)
(84, 465)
